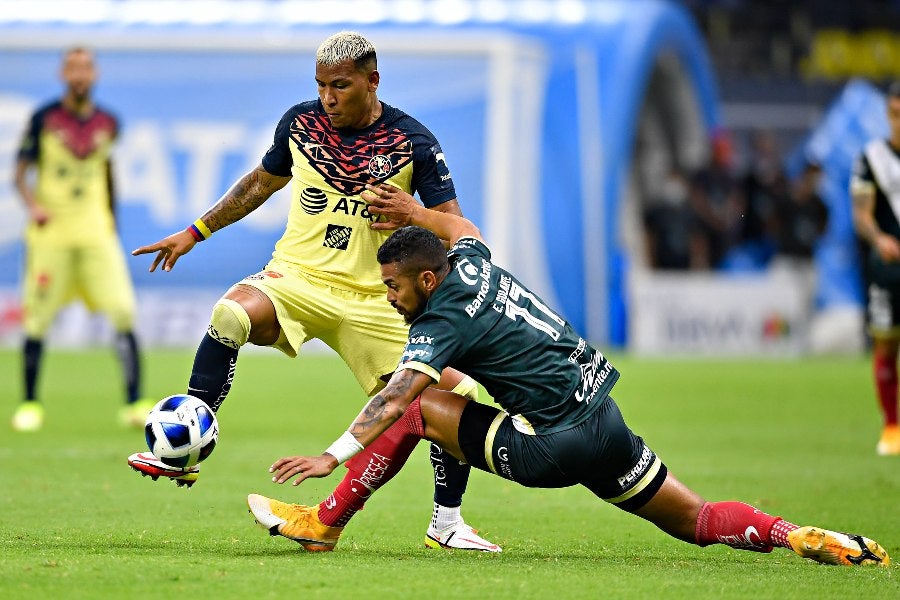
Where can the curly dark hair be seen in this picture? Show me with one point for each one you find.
(415, 250)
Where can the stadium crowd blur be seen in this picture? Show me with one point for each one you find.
(722, 217)
(743, 210)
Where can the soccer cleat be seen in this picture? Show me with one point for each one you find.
(889, 444)
(294, 521)
(459, 537)
(135, 413)
(149, 466)
(28, 417)
(833, 548)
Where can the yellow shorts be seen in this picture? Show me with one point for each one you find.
(364, 329)
(57, 274)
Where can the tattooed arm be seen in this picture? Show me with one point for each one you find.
(245, 196)
(376, 416)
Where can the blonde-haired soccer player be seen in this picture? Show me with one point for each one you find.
(323, 281)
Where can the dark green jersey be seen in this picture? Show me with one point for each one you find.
(485, 323)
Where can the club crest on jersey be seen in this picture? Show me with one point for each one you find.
(380, 166)
(337, 237)
(467, 271)
(313, 201)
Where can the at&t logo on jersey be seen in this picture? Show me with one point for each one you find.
(313, 201)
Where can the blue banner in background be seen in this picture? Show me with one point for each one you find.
(194, 122)
(537, 118)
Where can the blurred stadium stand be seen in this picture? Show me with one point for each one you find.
(180, 70)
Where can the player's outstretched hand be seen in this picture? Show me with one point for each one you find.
(390, 202)
(168, 250)
(302, 467)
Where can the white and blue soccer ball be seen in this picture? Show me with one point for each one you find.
(181, 430)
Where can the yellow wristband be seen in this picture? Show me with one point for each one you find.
(202, 228)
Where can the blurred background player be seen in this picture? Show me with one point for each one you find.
(875, 190)
(559, 426)
(323, 280)
(72, 247)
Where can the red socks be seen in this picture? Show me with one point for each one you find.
(373, 467)
(885, 371)
(741, 526)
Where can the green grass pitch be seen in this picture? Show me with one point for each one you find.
(795, 438)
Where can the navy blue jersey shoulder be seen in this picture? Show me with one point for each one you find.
(348, 159)
(484, 322)
(79, 127)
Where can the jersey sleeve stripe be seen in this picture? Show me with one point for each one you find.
(421, 368)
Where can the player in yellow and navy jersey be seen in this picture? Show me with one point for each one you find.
(322, 281)
(72, 248)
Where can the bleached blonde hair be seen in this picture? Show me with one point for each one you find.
(347, 45)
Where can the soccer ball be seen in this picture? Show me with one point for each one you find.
(181, 430)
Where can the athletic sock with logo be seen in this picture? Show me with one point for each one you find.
(373, 467)
(450, 477)
(213, 371)
(885, 372)
(741, 526)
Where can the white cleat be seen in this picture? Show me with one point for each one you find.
(459, 537)
(148, 465)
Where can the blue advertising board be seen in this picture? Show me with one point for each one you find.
(537, 116)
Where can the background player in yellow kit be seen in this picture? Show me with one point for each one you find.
(72, 248)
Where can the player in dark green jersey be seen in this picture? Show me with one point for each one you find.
(558, 427)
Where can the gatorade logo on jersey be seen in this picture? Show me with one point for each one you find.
(337, 237)
(313, 201)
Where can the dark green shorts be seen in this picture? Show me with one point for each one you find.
(602, 454)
